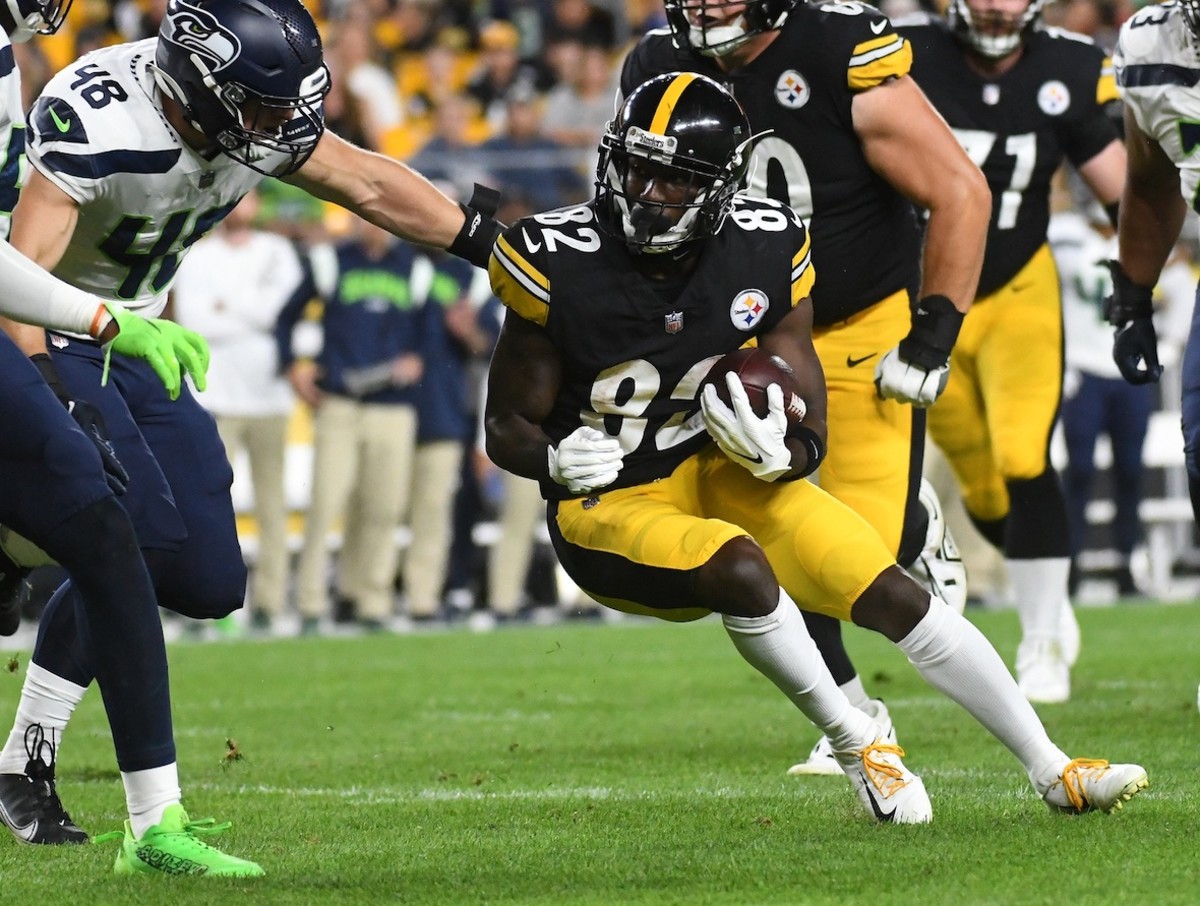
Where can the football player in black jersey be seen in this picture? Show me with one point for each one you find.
(617, 310)
(852, 144)
(1021, 98)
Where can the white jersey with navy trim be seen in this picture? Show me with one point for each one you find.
(12, 135)
(98, 132)
(1157, 65)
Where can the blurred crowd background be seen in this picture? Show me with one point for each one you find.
(510, 93)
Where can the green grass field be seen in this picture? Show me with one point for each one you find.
(636, 763)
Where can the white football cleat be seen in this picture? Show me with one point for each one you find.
(821, 761)
(1068, 634)
(889, 791)
(939, 566)
(1043, 674)
(1091, 784)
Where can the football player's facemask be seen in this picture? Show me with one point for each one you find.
(250, 76)
(993, 33)
(36, 17)
(1191, 15)
(717, 27)
(671, 162)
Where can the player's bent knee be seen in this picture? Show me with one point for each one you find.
(210, 593)
(892, 605)
(738, 580)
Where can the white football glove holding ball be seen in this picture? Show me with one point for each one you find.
(756, 443)
(586, 459)
(896, 379)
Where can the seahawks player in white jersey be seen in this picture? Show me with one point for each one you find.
(137, 151)
(58, 475)
(1157, 63)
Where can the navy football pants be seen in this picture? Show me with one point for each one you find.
(53, 491)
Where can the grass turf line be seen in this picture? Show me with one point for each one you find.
(628, 764)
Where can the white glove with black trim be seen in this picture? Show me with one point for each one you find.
(756, 443)
(586, 459)
(909, 382)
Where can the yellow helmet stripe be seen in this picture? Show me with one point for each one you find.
(662, 116)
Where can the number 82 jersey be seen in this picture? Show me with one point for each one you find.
(634, 351)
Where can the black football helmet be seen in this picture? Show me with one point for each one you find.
(249, 74)
(691, 125)
(993, 34)
(36, 17)
(694, 26)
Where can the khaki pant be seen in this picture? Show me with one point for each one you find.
(264, 440)
(435, 480)
(509, 557)
(362, 467)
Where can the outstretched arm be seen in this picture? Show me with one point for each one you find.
(394, 196)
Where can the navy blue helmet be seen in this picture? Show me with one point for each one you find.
(36, 17)
(250, 75)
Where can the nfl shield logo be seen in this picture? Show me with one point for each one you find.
(673, 322)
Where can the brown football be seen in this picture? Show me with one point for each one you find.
(758, 370)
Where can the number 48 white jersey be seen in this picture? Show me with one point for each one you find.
(98, 132)
(1157, 66)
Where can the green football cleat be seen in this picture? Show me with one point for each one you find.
(173, 847)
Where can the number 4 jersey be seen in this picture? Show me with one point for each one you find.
(634, 351)
(1018, 126)
(98, 133)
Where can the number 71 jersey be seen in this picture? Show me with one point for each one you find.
(98, 133)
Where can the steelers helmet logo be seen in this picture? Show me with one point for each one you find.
(1054, 98)
(748, 308)
(791, 90)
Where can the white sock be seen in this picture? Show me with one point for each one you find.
(46, 701)
(855, 691)
(955, 658)
(780, 648)
(1040, 587)
(147, 795)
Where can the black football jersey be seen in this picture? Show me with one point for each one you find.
(1018, 127)
(865, 237)
(634, 356)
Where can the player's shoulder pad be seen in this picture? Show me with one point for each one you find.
(519, 268)
(774, 226)
(654, 53)
(875, 51)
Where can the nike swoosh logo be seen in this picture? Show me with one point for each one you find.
(879, 813)
(756, 458)
(63, 126)
(878, 27)
(851, 362)
(533, 246)
(25, 831)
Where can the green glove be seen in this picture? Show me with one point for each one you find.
(163, 345)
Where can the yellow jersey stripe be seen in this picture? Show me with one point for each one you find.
(804, 275)
(662, 116)
(874, 62)
(1106, 87)
(518, 284)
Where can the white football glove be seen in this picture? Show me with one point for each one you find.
(586, 459)
(756, 443)
(896, 379)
